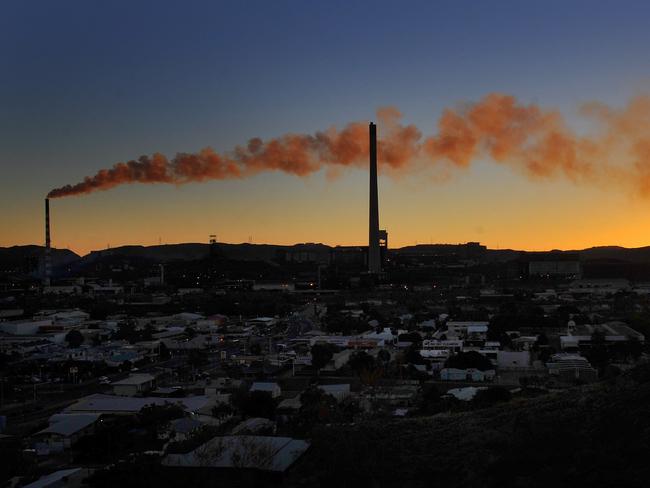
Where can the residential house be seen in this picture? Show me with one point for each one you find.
(135, 384)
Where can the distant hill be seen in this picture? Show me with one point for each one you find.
(635, 255)
(266, 252)
(195, 251)
(163, 253)
(30, 256)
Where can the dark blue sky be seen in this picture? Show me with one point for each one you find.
(84, 84)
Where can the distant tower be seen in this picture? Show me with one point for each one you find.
(374, 255)
(47, 271)
(214, 248)
(383, 245)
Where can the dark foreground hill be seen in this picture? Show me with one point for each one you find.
(598, 436)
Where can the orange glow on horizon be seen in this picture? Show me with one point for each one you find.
(567, 191)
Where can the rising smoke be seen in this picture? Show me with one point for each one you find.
(498, 128)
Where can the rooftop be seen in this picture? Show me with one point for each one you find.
(52, 479)
(134, 380)
(69, 424)
(261, 452)
(119, 404)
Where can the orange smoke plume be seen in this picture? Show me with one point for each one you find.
(504, 131)
(296, 154)
(497, 128)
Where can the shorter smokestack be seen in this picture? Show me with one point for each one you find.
(47, 271)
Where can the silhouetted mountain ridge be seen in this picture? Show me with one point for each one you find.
(264, 252)
(15, 254)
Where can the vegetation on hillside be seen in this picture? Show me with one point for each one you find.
(596, 436)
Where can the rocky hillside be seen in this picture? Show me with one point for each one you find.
(596, 436)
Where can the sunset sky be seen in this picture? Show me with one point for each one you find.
(84, 85)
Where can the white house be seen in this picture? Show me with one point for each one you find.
(470, 374)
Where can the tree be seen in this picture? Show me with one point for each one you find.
(384, 356)
(254, 403)
(321, 354)
(196, 358)
(360, 360)
(74, 338)
(126, 331)
(491, 396)
(336, 322)
(429, 400)
(545, 354)
(413, 356)
(154, 417)
(370, 376)
(597, 337)
(598, 356)
(147, 333)
(530, 381)
(367, 367)
(317, 407)
(467, 360)
(101, 308)
(635, 348)
(222, 410)
(164, 353)
(412, 337)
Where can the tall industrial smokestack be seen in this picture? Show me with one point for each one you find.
(47, 271)
(374, 257)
